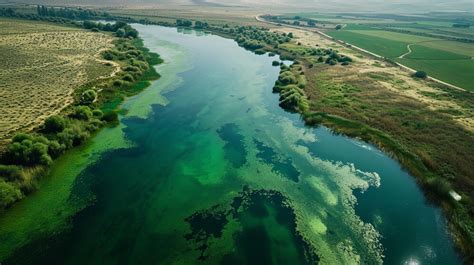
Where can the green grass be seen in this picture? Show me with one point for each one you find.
(421, 52)
(456, 72)
(385, 47)
(395, 36)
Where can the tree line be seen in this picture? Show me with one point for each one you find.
(70, 13)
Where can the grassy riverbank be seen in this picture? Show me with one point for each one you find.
(95, 105)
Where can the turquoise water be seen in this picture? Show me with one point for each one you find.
(207, 168)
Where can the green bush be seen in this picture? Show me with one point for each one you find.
(275, 63)
(97, 113)
(55, 149)
(11, 173)
(8, 194)
(118, 83)
(128, 78)
(286, 78)
(30, 151)
(88, 97)
(72, 136)
(111, 117)
(54, 124)
(420, 74)
(82, 113)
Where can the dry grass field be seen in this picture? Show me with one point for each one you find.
(41, 65)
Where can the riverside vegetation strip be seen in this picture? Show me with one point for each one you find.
(95, 104)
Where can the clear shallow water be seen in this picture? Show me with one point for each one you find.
(207, 168)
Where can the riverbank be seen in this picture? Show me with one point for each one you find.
(95, 104)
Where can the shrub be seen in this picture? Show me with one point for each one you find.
(82, 113)
(128, 78)
(55, 149)
(110, 117)
(54, 124)
(8, 194)
(20, 137)
(88, 97)
(275, 63)
(72, 136)
(117, 83)
(97, 113)
(11, 173)
(28, 152)
(420, 74)
(108, 55)
(120, 33)
(287, 77)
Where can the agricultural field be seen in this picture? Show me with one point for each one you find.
(447, 60)
(41, 65)
(440, 44)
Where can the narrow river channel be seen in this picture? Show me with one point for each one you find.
(207, 168)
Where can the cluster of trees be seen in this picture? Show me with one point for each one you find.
(70, 13)
(7, 12)
(188, 23)
(292, 96)
(121, 29)
(295, 20)
(32, 150)
(254, 38)
(184, 23)
(334, 57)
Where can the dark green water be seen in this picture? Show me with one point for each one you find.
(207, 169)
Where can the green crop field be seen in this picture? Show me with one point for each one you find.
(382, 46)
(449, 61)
(425, 53)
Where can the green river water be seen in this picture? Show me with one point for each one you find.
(206, 168)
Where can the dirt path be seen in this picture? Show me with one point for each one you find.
(409, 51)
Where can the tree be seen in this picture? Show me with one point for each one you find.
(420, 74)
(82, 113)
(120, 33)
(54, 124)
(88, 97)
(184, 23)
(200, 25)
(338, 27)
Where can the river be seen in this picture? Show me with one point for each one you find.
(207, 168)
